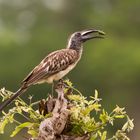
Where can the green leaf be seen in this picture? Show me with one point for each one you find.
(93, 137)
(75, 97)
(90, 108)
(20, 127)
(119, 116)
(3, 123)
(104, 116)
(119, 110)
(68, 82)
(103, 137)
(128, 126)
(96, 99)
(33, 133)
(11, 118)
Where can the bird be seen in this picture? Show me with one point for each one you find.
(56, 64)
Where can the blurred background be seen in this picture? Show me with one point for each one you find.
(30, 29)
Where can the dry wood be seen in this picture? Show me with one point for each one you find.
(52, 128)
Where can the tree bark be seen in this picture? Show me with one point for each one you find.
(52, 128)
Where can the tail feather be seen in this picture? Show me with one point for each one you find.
(8, 101)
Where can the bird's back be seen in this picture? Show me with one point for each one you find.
(53, 67)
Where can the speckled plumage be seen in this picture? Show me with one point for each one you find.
(49, 68)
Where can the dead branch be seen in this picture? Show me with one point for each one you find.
(52, 127)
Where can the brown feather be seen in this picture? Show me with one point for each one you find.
(53, 63)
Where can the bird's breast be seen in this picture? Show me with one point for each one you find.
(60, 74)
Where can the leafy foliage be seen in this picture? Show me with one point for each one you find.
(32, 116)
(82, 119)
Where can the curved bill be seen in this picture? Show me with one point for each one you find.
(92, 33)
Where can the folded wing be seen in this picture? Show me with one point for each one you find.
(53, 63)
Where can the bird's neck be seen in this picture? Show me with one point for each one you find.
(77, 47)
(79, 51)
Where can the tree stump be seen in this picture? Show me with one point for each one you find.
(53, 128)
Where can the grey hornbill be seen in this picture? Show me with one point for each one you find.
(57, 64)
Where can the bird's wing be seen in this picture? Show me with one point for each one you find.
(53, 63)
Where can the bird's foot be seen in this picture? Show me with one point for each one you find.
(55, 84)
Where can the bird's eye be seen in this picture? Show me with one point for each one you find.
(78, 34)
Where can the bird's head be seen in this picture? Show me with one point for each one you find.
(76, 39)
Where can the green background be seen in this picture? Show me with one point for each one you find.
(30, 29)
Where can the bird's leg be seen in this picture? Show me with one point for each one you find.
(53, 85)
